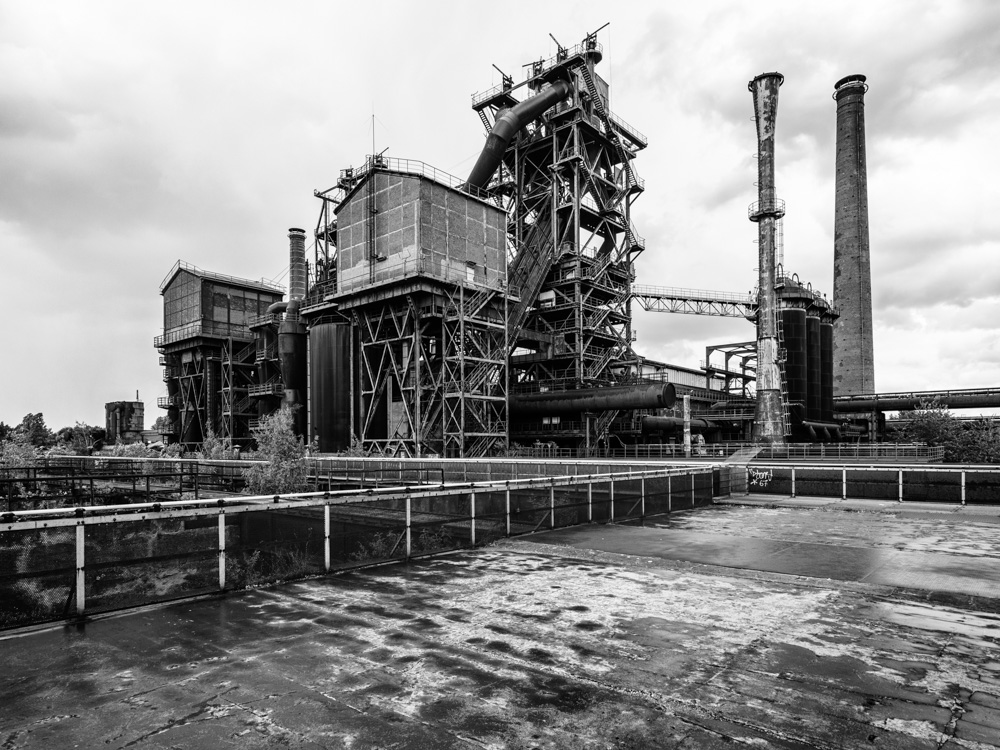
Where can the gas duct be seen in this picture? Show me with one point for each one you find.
(769, 423)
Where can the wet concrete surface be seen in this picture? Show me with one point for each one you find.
(934, 551)
(597, 637)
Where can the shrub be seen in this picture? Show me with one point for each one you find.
(283, 466)
(214, 448)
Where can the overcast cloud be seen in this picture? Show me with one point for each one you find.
(134, 134)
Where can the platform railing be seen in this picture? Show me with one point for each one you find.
(79, 561)
(962, 484)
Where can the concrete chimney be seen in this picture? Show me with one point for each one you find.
(769, 421)
(853, 348)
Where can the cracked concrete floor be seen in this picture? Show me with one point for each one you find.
(576, 642)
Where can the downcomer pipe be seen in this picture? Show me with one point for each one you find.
(506, 127)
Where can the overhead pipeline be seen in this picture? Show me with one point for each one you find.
(976, 399)
(507, 125)
(650, 396)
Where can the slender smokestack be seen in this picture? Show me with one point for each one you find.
(296, 264)
(769, 423)
(853, 347)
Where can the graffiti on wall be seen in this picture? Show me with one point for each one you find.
(760, 477)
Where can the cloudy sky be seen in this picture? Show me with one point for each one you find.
(134, 134)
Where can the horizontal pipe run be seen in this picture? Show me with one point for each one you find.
(646, 396)
(910, 402)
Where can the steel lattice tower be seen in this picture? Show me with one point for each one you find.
(568, 183)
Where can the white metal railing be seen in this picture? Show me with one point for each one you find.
(185, 266)
(399, 267)
(203, 328)
(568, 52)
(861, 479)
(703, 295)
(664, 487)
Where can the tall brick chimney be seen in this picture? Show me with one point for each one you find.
(853, 348)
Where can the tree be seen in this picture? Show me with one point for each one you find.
(83, 438)
(17, 451)
(34, 428)
(162, 424)
(964, 442)
(929, 423)
(282, 453)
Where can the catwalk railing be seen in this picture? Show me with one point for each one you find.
(973, 484)
(720, 451)
(73, 562)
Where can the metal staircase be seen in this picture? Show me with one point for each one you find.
(631, 182)
(529, 268)
(786, 418)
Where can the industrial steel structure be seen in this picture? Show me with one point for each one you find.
(459, 302)
(208, 353)
(468, 317)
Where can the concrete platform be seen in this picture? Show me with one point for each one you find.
(730, 626)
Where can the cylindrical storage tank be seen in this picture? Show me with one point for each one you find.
(793, 322)
(826, 368)
(814, 386)
(330, 385)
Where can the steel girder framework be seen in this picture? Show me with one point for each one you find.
(237, 378)
(198, 404)
(475, 373)
(432, 374)
(695, 301)
(568, 184)
(736, 381)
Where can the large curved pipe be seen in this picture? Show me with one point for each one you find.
(656, 396)
(506, 127)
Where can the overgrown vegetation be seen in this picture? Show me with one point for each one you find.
(17, 451)
(974, 441)
(133, 450)
(249, 570)
(81, 439)
(384, 544)
(357, 449)
(215, 448)
(282, 454)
